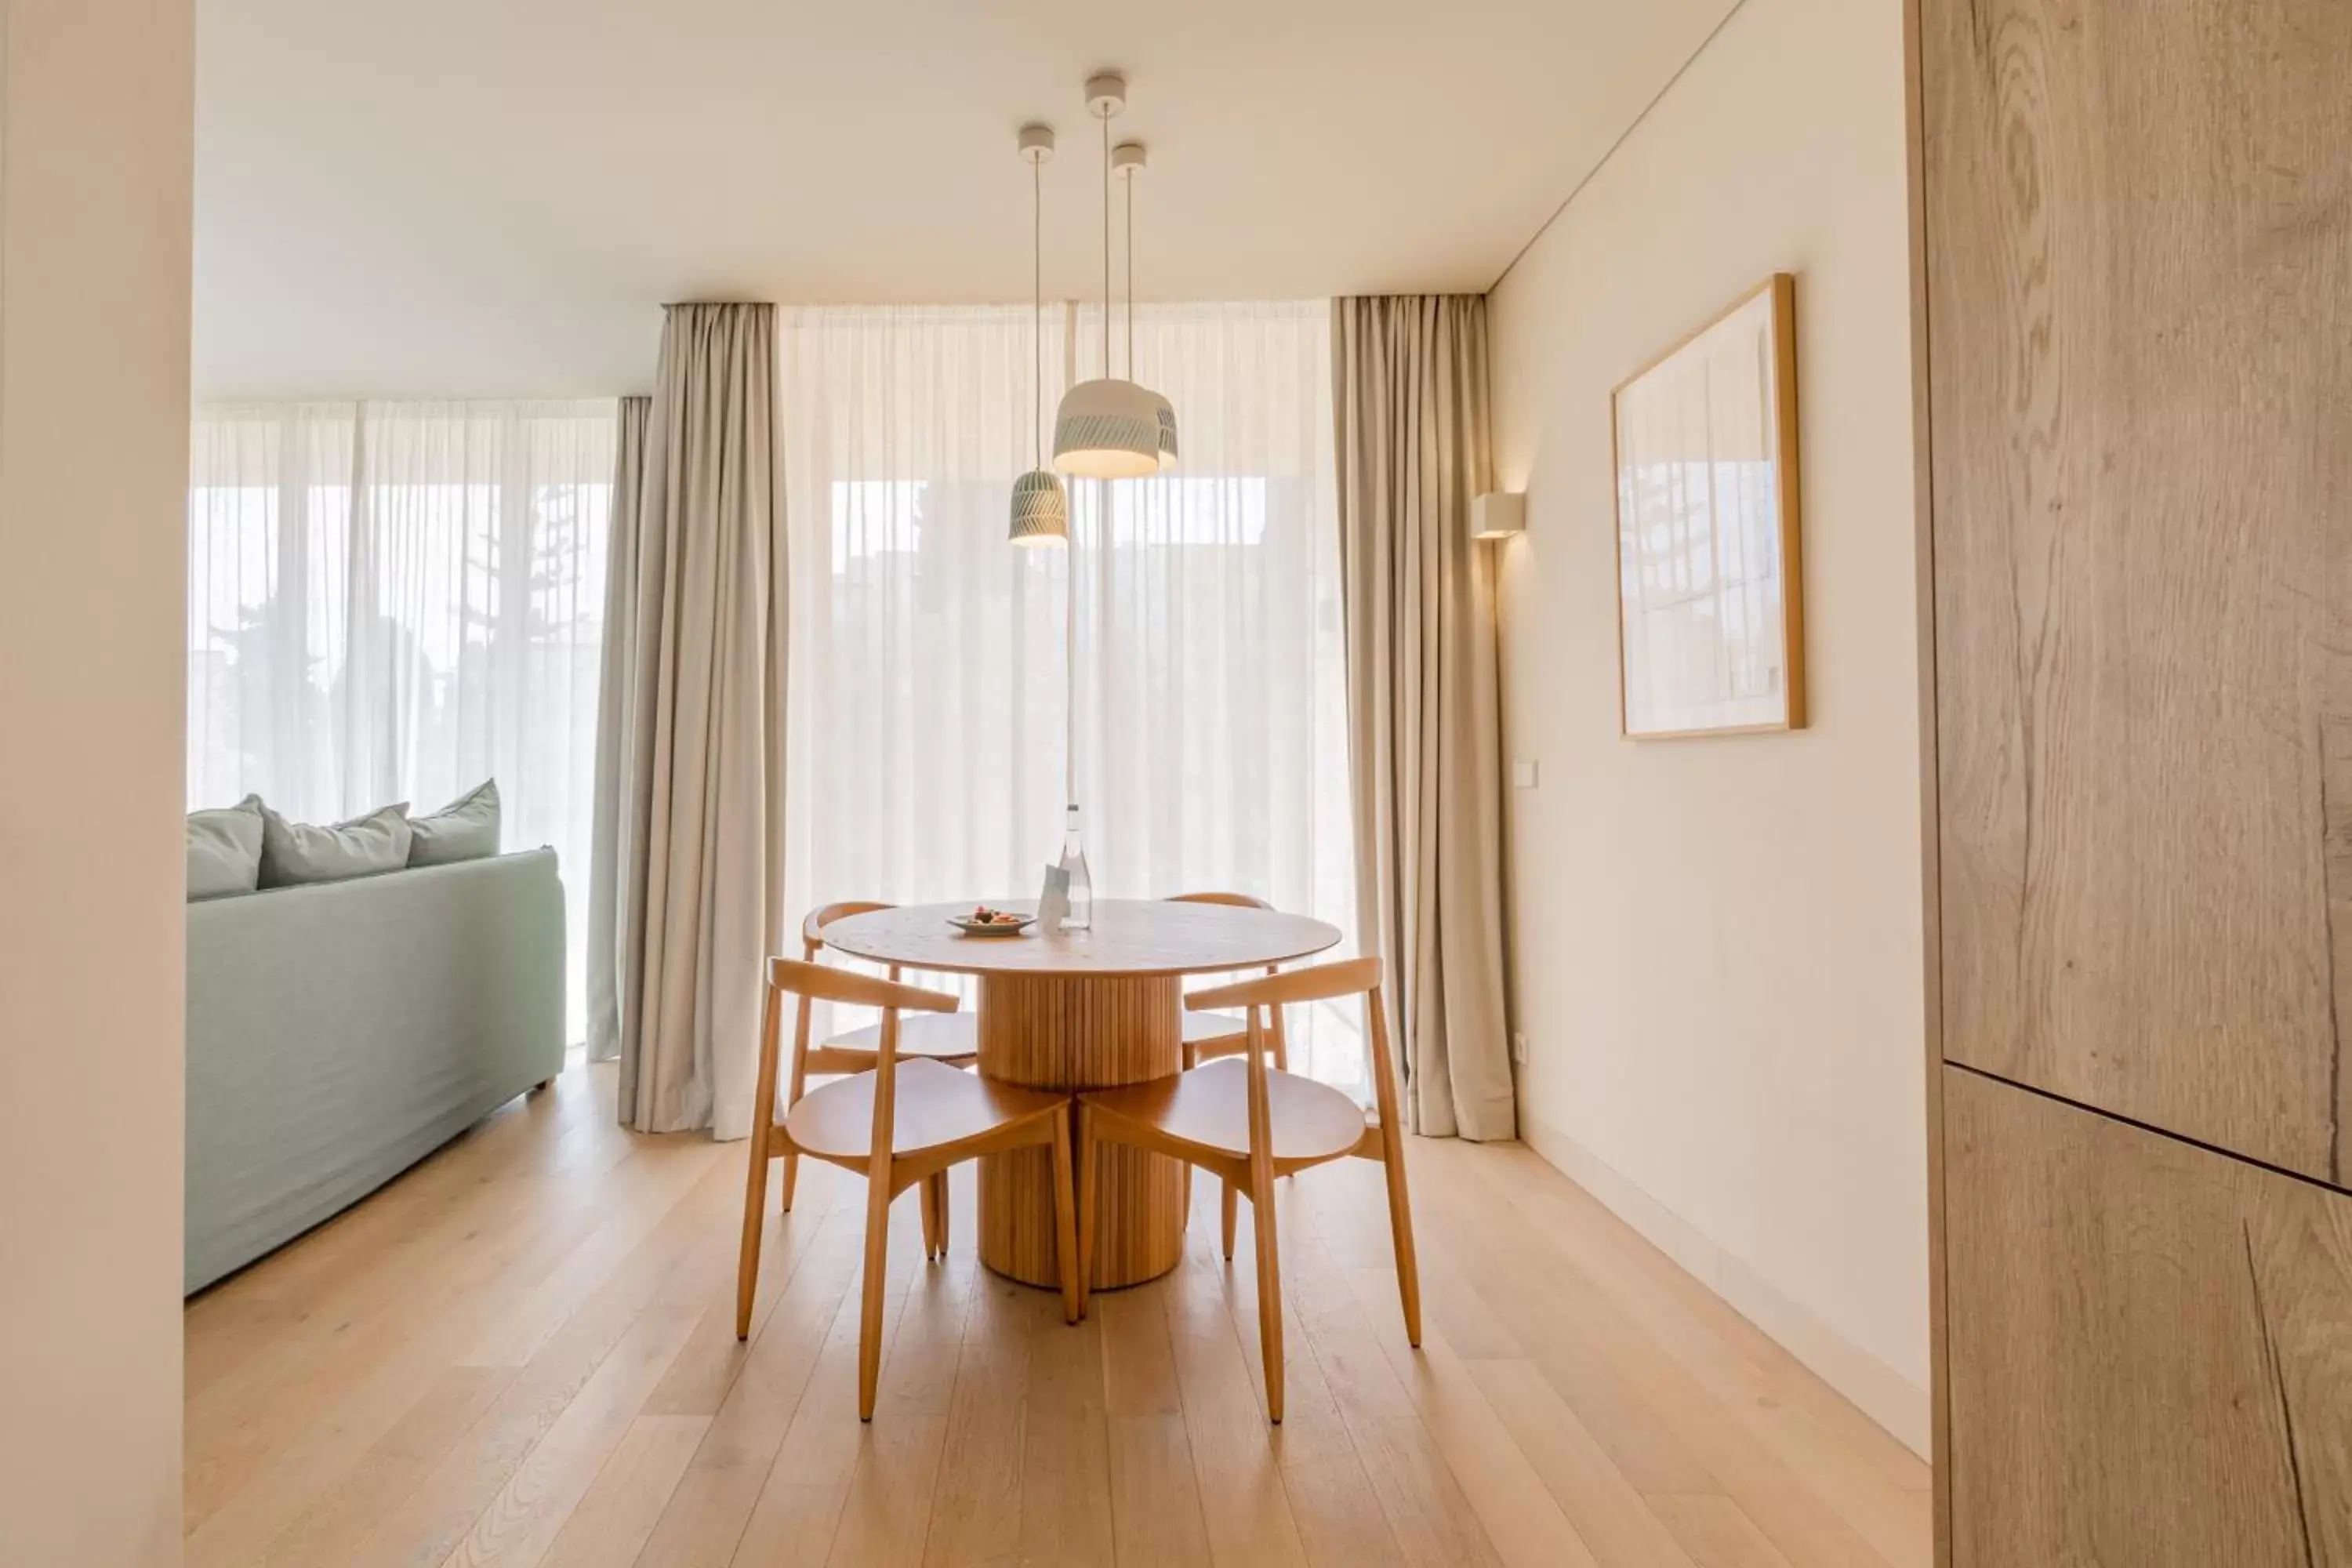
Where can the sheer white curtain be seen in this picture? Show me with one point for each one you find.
(394, 600)
(927, 675)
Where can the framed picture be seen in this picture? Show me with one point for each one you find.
(1710, 619)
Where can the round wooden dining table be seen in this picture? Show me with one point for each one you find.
(1079, 1010)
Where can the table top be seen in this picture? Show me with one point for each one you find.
(1130, 936)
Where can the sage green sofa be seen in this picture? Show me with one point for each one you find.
(340, 1032)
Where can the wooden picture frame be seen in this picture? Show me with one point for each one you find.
(1702, 441)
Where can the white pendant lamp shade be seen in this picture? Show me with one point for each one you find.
(1167, 431)
(1041, 509)
(1109, 429)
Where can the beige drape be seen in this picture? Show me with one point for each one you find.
(609, 936)
(1410, 407)
(694, 703)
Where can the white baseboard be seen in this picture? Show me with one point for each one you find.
(1880, 1392)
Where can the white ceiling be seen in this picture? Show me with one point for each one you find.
(482, 197)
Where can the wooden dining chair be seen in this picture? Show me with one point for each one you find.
(949, 1038)
(1208, 1035)
(1249, 1123)
(900, 1122)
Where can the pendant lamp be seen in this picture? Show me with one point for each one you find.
(1127, 161)
(1110, 428)
(1041, 508)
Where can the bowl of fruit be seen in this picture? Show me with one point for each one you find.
(987, 921)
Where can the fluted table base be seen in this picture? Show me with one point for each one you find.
(1073, 1032)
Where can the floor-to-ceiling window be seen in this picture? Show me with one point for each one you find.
(396, 601)
(927, 678)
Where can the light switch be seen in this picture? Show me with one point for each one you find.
(1523, 774)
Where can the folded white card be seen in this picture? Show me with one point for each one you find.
(1053, 902)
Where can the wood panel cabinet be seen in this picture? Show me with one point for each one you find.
(2135, 233)
(2138, 233)
(2150, 1346)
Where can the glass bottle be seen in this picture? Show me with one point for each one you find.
(1082, 888)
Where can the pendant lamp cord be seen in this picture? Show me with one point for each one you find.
(1102, 501)
(1105, 183)
(1130, 275)
(1037, 309)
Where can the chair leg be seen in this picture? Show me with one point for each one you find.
(1184, 1204)
(1269, 1281)
(942, 1205)
(869, 1317)
(1400, 1234)
(1232, 1197)
(1088, 1182)
(755, 1219)
(758, 1149)
(1065, 1219)
(1393, 1133)
(795, 1075)
(927, 1198)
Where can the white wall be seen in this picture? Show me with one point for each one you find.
(95, 176)
(1717, 960)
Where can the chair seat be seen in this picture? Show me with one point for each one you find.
(938, 1037)
(1208, 1107)
(938, 1106)
(1201, 1028)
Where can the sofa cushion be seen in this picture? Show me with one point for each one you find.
(298, 852)
(465, 829)
(224, 849)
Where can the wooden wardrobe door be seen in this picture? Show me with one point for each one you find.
(2150, 1346)
(2138, 241)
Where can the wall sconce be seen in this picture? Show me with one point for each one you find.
(1499, 514)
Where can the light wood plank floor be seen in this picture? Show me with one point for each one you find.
(523, 1353)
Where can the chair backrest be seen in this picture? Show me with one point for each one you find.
(823, 983)
(1316, 983)
(818, 982)
(1239, 901)
(824, 915)
(812, 947)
